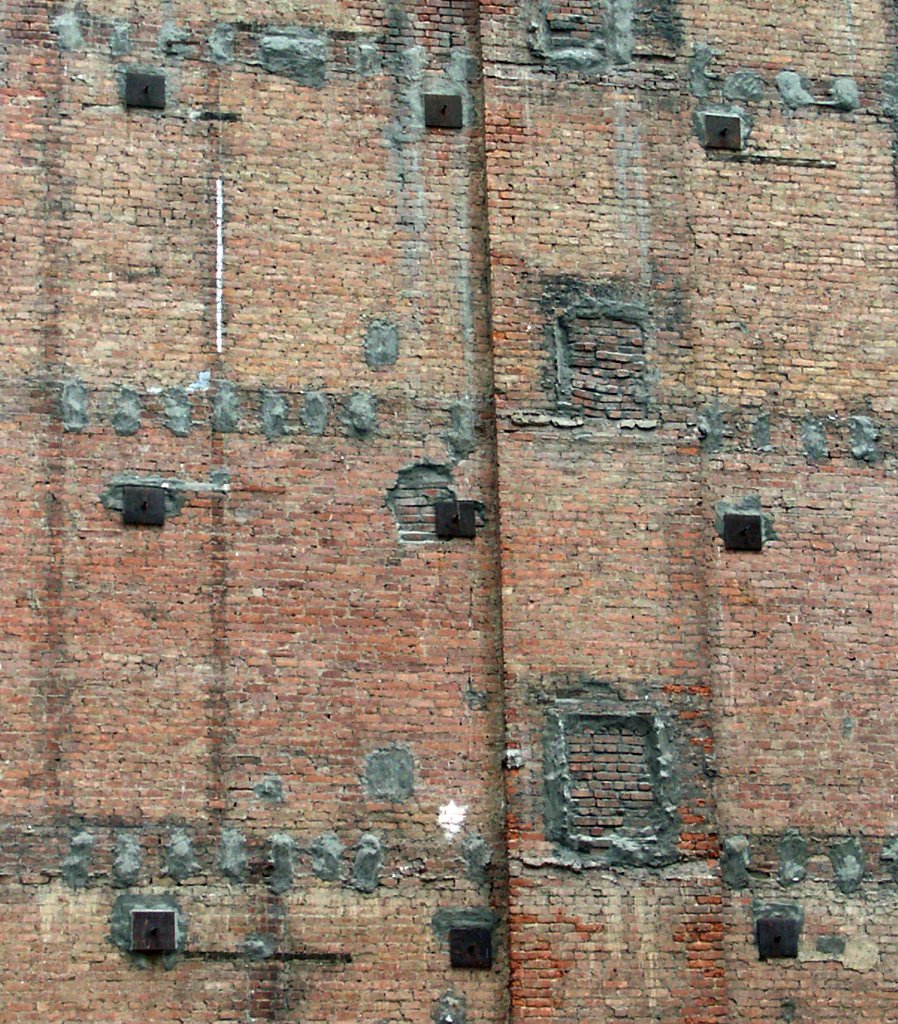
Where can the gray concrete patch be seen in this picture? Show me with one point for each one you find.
(174, 40)
(461, 437)
(221, 43)
(744, 86)
(793, 857)
(297, 53)
(794, 90)
(381, 344)
(180, 862)
(864, 435)
(700, 81)
(270, 789)
(226, 408)
(711, 429)
(889, 856)
(734, 859)
(369, 859)
(814, 439)
(120, 927)
(67, 29)
(232, 857)
(273, 412)
(890, 95)
(73, 406)
(127, 861)
(315, 412)
(477, 856)
(760, 433)
(468, 917)
(359, 415)
(831, 945)
(327, 857)
(849, 864)
(845, 94)
(176, 412)
(366, 58)
(450, 1008)
(282, 859)
(260, 946)
(76, 866)
(120, 39)
(390, 774)
(126, 417)
(464, 67)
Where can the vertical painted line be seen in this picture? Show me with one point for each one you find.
(219, 261)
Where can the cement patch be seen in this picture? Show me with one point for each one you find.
(315, 412)
(180, 862)
(176, 413)
(793, 857)
(390, 774)
(127, 861)
(126, 417)
(849, 864)
(73, 406)
(369, 859)
(232, 857)
(359, 415)
(381, 344)
(734, 860)
(327, 857)
(296, 53)
(76, 866)
(282, 858)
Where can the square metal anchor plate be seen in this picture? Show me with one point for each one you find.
(723, 131)
(777, 938)
(143, 506)
(471, 947)
(455, 519)
(742, 531)
(153, 931)
(442, 111)
(144, 90)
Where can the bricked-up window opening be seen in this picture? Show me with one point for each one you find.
(599, 338)
(610, 790)
(604, 371)
(610, 779)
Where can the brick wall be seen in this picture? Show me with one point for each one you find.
(325, 736)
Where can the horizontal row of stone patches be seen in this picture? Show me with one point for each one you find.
(304, 53)
(821, 437)
(230, 410)
(274, 863)
(745, 860)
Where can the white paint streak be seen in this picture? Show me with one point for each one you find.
(451, 819)
(219, 262)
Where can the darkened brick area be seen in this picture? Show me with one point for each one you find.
(292, 716)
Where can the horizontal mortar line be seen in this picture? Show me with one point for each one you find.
(312, 956)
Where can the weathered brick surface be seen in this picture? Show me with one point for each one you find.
(323, 735)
